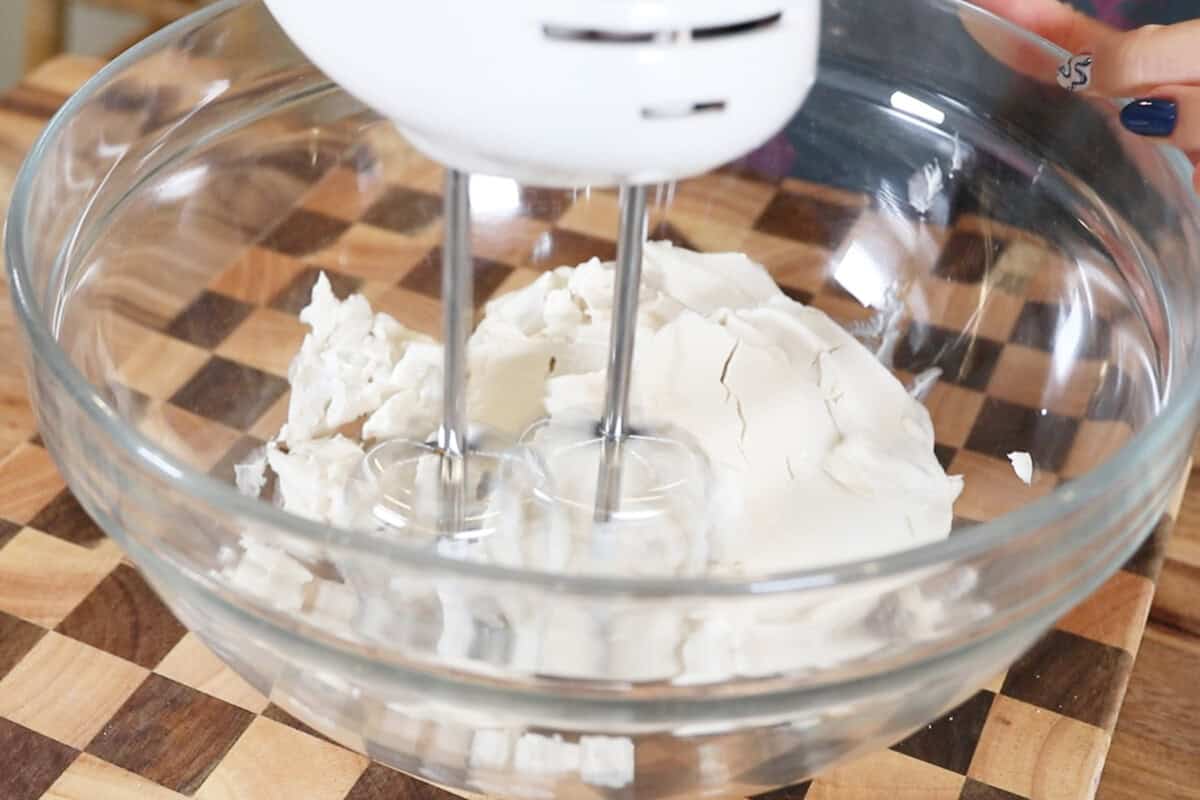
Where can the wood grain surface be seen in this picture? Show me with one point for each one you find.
(1155, 752)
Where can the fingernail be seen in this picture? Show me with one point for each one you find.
(1075, 74)
(1151, 116)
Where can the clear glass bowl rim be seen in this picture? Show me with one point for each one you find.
(1180, 405)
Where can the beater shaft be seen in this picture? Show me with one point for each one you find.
(457, 310)
(627, 282)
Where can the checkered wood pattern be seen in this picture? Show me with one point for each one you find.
(104, 695)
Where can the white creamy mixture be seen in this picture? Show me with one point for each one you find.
(819, 454)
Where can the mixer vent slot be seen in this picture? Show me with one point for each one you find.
(676, 112)
(562, 33)
(720, 31)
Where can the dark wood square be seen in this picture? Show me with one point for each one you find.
(230, 393)
(1071, 675)
(29, 762)
(545, 204)
(238, 454)
(968, 257)
(425, 276)
(974, 790)
(124, 616)
(944, 454)
(807, 219)
(65, 519)
(403, 210)
(797, 792)
(380, 783)
(209, 319)
(803, 296)
(562, 248)
(292, 298)
(7, 531)
(303, 232)
(1040, 323)
(1003, 427)
(965, 360)
(950, 742)
(1148, 560)
(170, 733)
(17, 637)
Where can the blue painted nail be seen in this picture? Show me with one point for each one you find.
(1151, 116)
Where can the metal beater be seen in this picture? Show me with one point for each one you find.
(558, 93)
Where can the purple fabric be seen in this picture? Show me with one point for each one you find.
(1112, 12)
(774, 159)
(1133, 13)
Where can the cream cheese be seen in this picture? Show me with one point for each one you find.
(819, 453)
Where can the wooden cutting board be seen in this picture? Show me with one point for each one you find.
(103, 695)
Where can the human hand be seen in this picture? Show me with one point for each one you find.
(1157, 65)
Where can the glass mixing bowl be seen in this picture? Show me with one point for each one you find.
(956, 212)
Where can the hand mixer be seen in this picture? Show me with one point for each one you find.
(559, 93)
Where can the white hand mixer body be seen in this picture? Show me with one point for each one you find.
(570, 92)
(560, 93)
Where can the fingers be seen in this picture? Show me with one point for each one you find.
(1050, 19)
(1068, 28)
(1131, 64)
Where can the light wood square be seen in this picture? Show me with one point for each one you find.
(723, 198)
(408, 168)
(191, 663)
(270, 422)
(1095, 442)
(257, 276)
(160, 365)
(271, 760)
(267, 340)
(67, 690)
(30, 480)
(198, 441)
(791, 263)
(509, 239)
(991, 487)
(519, 279)
(954, 410)
(1028, 270)
(977, 309)
(825, 193)
(886, 774)
(593, 214)
(1031, 378)
(89, 778)
(43, 578)
(1116, 614)
(1036, 753)
(344, 193)
(373, 253)
(413, 310)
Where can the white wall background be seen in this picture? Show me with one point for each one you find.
(90, 31)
